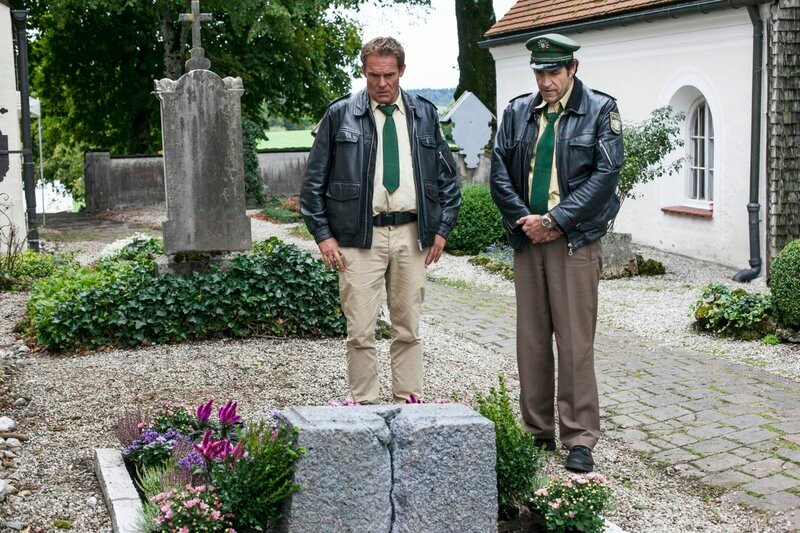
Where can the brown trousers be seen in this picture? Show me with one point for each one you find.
(557, 293)
(395, 263)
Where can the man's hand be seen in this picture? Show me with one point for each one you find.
(435, 251)
(538, 234)
(329, 248)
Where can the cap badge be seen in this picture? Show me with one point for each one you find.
(543, 44)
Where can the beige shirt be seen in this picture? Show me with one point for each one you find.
(405, 197)
(554, 196)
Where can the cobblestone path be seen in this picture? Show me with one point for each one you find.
(729, 425)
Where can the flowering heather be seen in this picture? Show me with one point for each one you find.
(191, 509)
(129, 427)
(575, 503)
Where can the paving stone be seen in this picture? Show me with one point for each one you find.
(770, 484)
(719, 462)
(663, 400)
(789, 453)
(747, 421)
(680, 439)
(727, 479)
(764, 468)
(666, 413)
(784, 501)
(641, 446)
(703, 403)
(713, 446)
(751, 435)
(629, 408)
(624, 421)
(793, 438)
(791, 428)
(737, 496)
(662, 444)
(710, 431)
(675, 455)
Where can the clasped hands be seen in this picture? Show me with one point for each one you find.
(538, 234)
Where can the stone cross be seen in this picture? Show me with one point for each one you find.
(198, 59)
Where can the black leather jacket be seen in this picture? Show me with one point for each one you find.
(336, 200)
(589, 154)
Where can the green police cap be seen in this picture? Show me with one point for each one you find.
(551, 51)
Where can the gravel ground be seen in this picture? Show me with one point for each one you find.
(75, 399)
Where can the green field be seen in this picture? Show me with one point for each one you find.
(287, 140)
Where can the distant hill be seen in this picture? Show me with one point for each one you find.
(441, 97)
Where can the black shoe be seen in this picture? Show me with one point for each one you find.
(548, 445)
(579, 459)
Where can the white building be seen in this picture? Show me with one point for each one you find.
(701, 58)
(12, 198)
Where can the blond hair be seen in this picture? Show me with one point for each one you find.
(384, 46)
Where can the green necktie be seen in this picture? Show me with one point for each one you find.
(391, 154)
(543, 166)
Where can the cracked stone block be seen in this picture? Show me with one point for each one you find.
(444, 470)
(345, 474)
(393, 468)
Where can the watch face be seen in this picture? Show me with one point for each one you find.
(546, 221)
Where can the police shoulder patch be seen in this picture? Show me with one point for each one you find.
(615, 122)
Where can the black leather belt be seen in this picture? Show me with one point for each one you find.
(393, 219)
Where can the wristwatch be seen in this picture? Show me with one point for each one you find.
(547, 222)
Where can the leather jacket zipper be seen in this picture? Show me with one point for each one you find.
(370, 182)
(605, 152)
(450, 170)
(416, 170)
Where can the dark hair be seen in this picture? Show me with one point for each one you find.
(384, 46)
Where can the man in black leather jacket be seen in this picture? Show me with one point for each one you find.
(380, 196)
(555, 168)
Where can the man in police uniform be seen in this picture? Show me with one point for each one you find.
(555, 168)
(380, 196)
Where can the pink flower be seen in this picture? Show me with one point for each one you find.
(183, 529)
(204, 411)
(571, 514)
(554, 505)
(216, 515)
(191, 503)
(227, 414)
(541, 492)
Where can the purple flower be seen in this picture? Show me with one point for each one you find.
(227, 414)
(414, 399)
(212, 449)
(204, 411)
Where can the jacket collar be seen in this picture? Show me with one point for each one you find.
(574, 104)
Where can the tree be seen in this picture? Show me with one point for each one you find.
(646, 145)
(475, 65)
(94, 62)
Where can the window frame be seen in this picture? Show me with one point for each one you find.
(701, 143)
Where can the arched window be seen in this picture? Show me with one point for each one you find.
(700, 156)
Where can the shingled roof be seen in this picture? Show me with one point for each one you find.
(527, 15)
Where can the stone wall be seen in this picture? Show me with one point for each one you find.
(124, 181)
(114, 182)
(783, 135)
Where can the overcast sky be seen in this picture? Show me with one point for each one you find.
(429, 38)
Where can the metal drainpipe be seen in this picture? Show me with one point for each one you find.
(753, 208)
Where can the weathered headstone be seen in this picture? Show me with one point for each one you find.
(472, 129)
(388, 469)
(203, 163)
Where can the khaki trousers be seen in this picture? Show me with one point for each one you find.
(557, 293)
(395, 263)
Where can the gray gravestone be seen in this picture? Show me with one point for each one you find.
(393, 468)
(472, 127)
(203, 163)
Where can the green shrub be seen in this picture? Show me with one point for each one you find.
(251, 133)
(520, 461)
(738, 313)
(138, 248)
(785, 284)
(282, 209)
(479, 223)
(276, 289)
(254, 490)
(771, 339)
(19, 271)
(649, 267)
(576, 503)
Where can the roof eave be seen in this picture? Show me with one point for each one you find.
(621, 19)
